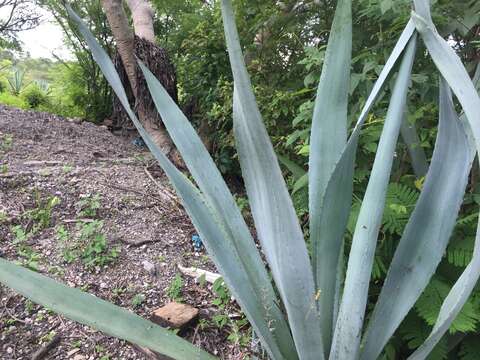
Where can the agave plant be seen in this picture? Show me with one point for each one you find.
(17, 81)
(311, 310)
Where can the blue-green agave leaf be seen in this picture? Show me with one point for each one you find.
(99, 314)
(216, 192)
(327, 140)
(209, 223)
(277, 225)
(338, 195)
(428, 231)
(416, 152)
(453, 303)
(346, 340)
(455, 74)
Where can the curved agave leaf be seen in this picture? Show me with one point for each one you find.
(99, 314)
(453, 303)
(215, 229)
(427, 233)
(453, 71)
(338, 195)
(348, 329)
(327, 140)
(275, 218)
(216, 192)
(410, 137)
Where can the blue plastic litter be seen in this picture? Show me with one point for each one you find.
(197, 242)
(138, 141)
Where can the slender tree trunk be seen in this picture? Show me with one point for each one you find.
(124, 38)
(142, 14)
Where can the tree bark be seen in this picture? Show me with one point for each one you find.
(124, 38)
(142, 14)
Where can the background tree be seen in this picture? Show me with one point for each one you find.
(140, 44)
(19, 15)
(91, 92)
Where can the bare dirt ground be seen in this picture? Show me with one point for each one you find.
(66, 186)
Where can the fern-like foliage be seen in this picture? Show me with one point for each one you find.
(400, 202)
(469, 220)
(470, 348)
(415, 331)
(460, 251)
(429, 303)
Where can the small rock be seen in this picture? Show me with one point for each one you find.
(174, 315)
(79, 357)
(149, 267)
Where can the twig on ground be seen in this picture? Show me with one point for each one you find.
(45, 349)
(140, 243)
(162, 190)
(77, 220)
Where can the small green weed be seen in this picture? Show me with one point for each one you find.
(220, 320)
(174, 290)
(30, 258)
(236, 336)
(4, 168)
(42, 214)
(89, 205)
(117, 292)
(62, 233)
(29, 306)
(222, 298)
(138, 300)
(69, 253)
(19, 233)
(89, 244)
(96, 251)
(6, 142)
(67, 168)
(48, 337)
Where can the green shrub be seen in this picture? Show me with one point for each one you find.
(3, 85)
(8, 99)
(34, 96)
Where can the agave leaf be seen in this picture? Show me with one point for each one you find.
(216, 192)
(453, 303)
(427, 233)
(327, 140)
(450, 66)
(453, 71)
(410, 137)
(348, 329)
(99, 314)
(338, 195)
(276, 221)
(209, 223)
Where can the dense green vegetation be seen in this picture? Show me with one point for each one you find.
(284, 46)
(44, 85)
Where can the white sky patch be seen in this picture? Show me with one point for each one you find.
(45, 39)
